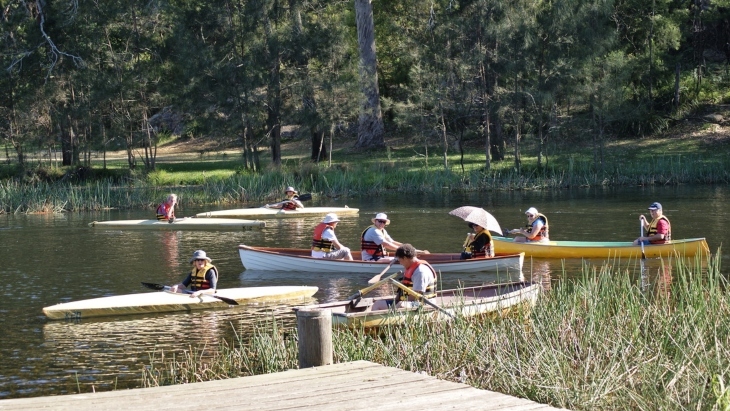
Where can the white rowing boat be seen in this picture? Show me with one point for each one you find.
(186, 223)
(162, 302)
(263, 212)
(292, 259)
(494, 299)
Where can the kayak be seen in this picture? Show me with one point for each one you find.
(602, 249)
(187, 223)
(163, 301)
(263, 212)
(495, 299)
(294, 259)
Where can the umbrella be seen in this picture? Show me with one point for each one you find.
(478, 216)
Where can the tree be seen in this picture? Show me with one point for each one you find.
(370, 132)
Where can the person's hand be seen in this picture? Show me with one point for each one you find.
(171, 220)
(515, 231)
(195, 294)
(642, 218)
(174, 288)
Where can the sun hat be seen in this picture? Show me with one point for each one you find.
(655, 206)
(532, 211)
(381, 216)
(330, 218)
(199, 255)
(290, 188)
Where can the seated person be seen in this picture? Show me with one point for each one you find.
(480, 243)
(418, 275)
(536, 229)
(324, 240)
(659, 231)
(291, 202)
(375, 241)
(166, 210)
(203, 278)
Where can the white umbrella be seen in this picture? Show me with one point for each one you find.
(477, 216)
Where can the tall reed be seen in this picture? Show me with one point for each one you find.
(600, 342)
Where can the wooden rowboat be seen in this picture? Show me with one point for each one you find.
(162, 302)
(602, 249)
(262, 212)
(493, 299)
(293, 259)
(180, 224)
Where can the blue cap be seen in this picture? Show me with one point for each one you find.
(655, 206)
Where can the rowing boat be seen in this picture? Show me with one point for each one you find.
(180, 224)
(263, 212)
(602, 249)
(494, 299)
(294, 259)
(163, 302)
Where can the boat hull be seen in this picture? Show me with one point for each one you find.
(180, 224)
(494, 299)
(162, 302)
(290, 259)
(599, 249)
(262, 212)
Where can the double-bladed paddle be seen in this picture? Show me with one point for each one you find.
(162, 287)
(376, 278)
(419, 297)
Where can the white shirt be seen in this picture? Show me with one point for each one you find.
(422, 277)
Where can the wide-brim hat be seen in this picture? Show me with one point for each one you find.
(330, 218)
(199, 255)
(655, 206)
(531, 211)
(381, 216)
(290, 188)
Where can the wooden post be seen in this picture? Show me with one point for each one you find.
(315, 337)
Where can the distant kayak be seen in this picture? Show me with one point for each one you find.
(180, 224)
(263, 212)
(162, 301)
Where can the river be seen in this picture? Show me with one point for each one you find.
(47, 259)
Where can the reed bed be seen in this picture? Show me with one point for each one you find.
(603, 341)
(342, 180)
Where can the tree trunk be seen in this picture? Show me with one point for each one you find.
(370, 132)
(319, 150)
(273, 95)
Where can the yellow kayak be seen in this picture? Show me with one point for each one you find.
(601, 249)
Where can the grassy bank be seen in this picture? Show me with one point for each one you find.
(597, 343)
(210, 182)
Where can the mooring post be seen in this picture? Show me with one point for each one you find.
(315, 337)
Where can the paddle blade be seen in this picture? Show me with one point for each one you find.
(158, 287)
(305, 197)
(229, 301)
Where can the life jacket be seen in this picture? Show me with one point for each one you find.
(319, 243)
(652, 230)
(162, 211)
(377, 251)
(486, 250)
(543, 234)
(198, 277)
(407, 280)
(288, 204)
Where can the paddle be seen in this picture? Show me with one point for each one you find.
(376, 278)
(643, 256)
(162, 287)
(367, 289)
(419, 297)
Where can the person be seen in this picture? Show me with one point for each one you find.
(375, 241)
(166, 210)
(324, 241)
(659, 230)
(291, 202)
(536, 229)
(419, 276)
(480, 243)
(203, 278)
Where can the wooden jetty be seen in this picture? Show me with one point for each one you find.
(359, 385)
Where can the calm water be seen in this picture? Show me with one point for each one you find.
(57, 258)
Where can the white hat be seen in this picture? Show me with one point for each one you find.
(330, 218)
(199, 255)
(381, 216)
(532, 211)
(290, 188)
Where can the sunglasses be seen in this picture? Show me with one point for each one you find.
(381, 221)
(200, 259)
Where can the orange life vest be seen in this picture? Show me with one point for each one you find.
(319, 243)
(288, 204)
(407, 280)
(375, 250)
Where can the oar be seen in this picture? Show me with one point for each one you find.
(377, 277)
(643, 256)
(162, 287)
(419, 297)
(369, 288)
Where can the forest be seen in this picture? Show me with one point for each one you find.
(90, 77)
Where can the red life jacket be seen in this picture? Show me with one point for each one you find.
(162, 211)
(407, 280)
(375, 250)
(319, 243)
(652, 230)
(288, 204)
(543, 231)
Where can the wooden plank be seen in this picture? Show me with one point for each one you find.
(358, 385)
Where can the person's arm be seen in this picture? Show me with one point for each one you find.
(662, 228)
(297, 202)
(177, 288)
(536, 228)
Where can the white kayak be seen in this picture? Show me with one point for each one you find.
(163, 301)
(263, 212)
(187, 223)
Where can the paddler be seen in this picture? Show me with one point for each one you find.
(203, 277)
